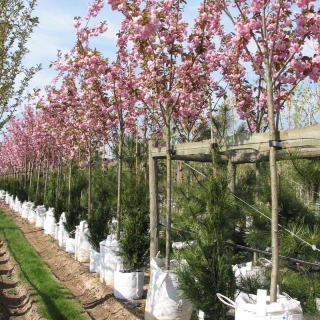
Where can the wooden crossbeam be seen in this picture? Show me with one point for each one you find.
(247, 147)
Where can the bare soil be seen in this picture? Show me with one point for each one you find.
(15, 302)
(96, 298)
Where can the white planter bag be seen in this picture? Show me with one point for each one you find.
(25, 209)
(7, 198)
(111, 259)
(82, 245)
(102, 259)
(40, 214)
(128, 285)
(94, 261)
(49, 224)
(257, 307)
(164, 301)
(2, 195)
(11, 203)
(70, 245)
(56, 231)
(31, 214)
(17, 206)
(62, 232)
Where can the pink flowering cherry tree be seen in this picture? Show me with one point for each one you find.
(77, 99)
(171, 78)
(262, 56)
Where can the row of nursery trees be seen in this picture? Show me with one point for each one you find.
(167, 79)
(204, 211)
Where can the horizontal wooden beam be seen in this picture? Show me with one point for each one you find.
(299, 138)
(252, 157)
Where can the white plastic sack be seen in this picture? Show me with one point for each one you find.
(11, 203)
(82, 245)
(7, 198)
(62, 232)
(56, 231)
(245, 271)
(109, 259)
(128, 285)
(257, 307)
(31, 214)
(49, 222)
(40, 214)
(94, 261)
(164, 301)
(2, 195)
(70, 245)
(25, 209)
(17, 207)
(16, 204)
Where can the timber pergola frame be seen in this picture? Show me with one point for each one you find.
(237, 149)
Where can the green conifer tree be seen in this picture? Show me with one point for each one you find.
(208, 214)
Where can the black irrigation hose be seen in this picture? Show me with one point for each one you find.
(270, 254)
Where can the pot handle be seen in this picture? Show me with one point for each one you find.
(226, 301)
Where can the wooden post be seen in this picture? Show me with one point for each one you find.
(232, 176)
(154, 210)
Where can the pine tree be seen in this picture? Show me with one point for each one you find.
(209, 216)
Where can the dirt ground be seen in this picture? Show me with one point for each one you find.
(97, 298)
(15, 302)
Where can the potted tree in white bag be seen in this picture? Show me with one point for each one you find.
(208, 214)
(134, 240)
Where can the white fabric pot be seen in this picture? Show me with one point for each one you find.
(109, 259)
(17, 206)
(94, 261)
(31, 214)
(102, 259)
(128, 285)
(56, 231)
(62, 232)
(164, 300)
(7, 198)
(82, 245)
(25, 209)
(70, 245)
(40, 214)
(257, 307)
(49, 224)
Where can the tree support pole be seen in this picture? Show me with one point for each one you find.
(154, 211)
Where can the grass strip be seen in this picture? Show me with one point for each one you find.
(54, 300)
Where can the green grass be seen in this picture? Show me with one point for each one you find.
(52, 298)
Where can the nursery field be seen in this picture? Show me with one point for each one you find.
(96, 298)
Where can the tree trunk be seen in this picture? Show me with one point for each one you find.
(69, 186)
(46, 182)
(89, 183)
(154, 211)
(274, 188)
(168, 204)
(59, 174)
(119, 197)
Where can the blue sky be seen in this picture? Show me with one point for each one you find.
(56, 32)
